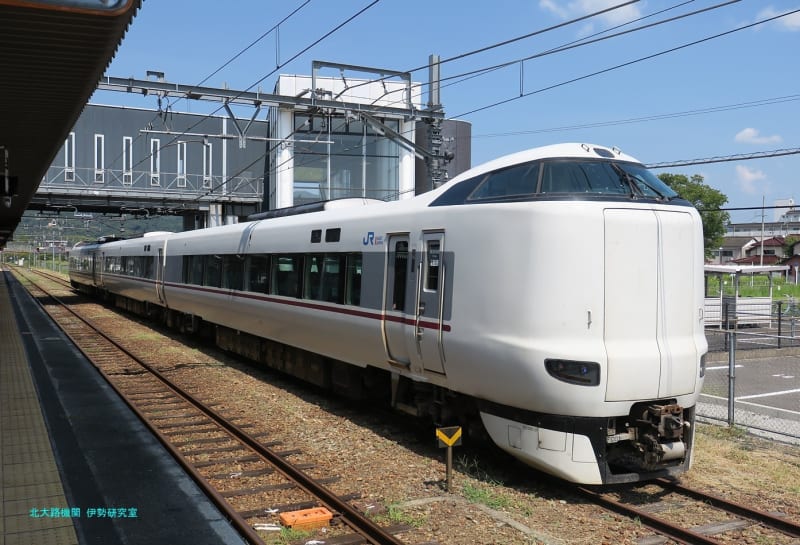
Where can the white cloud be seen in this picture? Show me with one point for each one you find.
(790, 22)
(748, 178)
(752, 136)
(576, 8)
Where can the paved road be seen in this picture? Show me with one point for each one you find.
(767, 391)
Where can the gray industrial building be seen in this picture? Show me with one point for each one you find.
(127, 160)
(218, 169)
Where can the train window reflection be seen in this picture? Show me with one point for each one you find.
(213, 271)
(258, 273)
(353, 296)
(400, 274)
(433, 258)
(286, 270)
(232, 272)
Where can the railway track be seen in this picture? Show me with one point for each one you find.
(772, 528)
(234, 463)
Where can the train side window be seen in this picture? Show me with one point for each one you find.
(332, 284)
(149, 266)
(213, 271)
(313, 277)
(195, 270)
(258, 273)
(433, 260)
(400, 275)
(286, 275)
(333, 235)
(353, 294)
(232, 272)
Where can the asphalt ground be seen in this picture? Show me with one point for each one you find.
(766, 387)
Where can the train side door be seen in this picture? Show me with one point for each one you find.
(429, 309)
(396, 301)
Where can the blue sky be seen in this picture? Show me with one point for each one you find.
(749, 77)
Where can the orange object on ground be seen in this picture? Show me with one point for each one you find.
(306, 519)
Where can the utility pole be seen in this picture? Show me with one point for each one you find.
(436, 161)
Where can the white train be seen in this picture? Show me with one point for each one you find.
(556, 292)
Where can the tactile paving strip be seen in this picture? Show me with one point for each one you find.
(30, 481)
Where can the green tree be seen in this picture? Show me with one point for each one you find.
(708, 201)
(788, 244)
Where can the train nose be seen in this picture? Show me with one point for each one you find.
(651, 294)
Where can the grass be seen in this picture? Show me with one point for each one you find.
(753, 286)
(479, 494)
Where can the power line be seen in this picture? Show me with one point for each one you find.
(509, 41)
(727, 158)
(625, 64)
(587, 40)
(654, 117)
(221, 67)
(295, 56)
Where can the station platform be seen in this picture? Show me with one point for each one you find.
(76, 465)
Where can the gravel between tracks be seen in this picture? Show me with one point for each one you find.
(396, 465)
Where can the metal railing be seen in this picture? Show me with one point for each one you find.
(753, 368)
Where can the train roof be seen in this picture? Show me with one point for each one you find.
(569, 150)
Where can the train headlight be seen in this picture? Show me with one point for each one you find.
(584, 373)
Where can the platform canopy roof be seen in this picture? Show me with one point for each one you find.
(52, 54)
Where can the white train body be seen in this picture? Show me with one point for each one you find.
(570, 319)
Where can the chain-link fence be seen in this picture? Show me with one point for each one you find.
(753, 367)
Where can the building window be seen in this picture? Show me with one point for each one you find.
(155, 161)
(181, 164)
(127, 160)
(356, 161)
(99, 158)
(69, 158)
(207, 165)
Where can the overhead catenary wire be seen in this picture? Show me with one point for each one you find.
(260, 80)
(509, 41)
(625, 64)
(726, 158)
(653, 117)
(587, 40)
(223, 66)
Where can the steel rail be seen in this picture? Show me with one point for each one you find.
(373, 533)
(235, 519)
(681, 535)
(778, 523)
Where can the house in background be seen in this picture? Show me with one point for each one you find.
(732, 248)
(773, 252)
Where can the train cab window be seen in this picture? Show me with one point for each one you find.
(258, 273)
(400, 275)
(596, 177)
(353, 293)
(213, 271)
(286, 275)
(432, 263)
(233, 272)
(517, 181)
